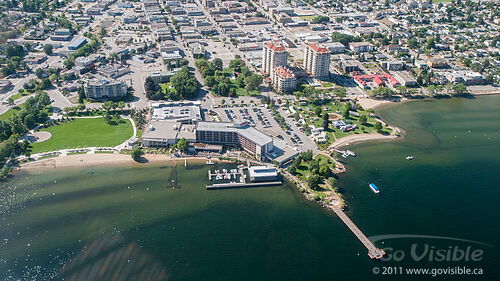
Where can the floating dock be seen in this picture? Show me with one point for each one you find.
(227, 174)
(241, 185)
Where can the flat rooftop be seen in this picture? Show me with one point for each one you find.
(161, 130)
(262, 171)
(176, 112)
(244, 130)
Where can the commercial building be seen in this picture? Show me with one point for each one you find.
(405, 78)
(164, 134)
(262, 173)
(377, 79)
(183, 112)
(284, 79)
(61, 35)
(436, 62)
(393, 65)
(361, 47)
(99, 89)
(77, 43)
(348, 65)
(161, 76)
(335, 47)
(250, 139)
(317, 61)
(272, 57)
(5, 85)
(465, 77)
(84, 62)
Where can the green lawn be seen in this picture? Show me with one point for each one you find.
(84, 133)
(308, 18)
(7, 114)
(243, 92)
(303, 171)
(20, 95)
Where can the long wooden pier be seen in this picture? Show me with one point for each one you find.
(239, 184)
(373, 252)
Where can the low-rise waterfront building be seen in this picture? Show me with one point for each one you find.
(250, 139)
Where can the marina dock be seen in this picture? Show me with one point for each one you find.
(241, 185)
(373, 252)
(227, 174)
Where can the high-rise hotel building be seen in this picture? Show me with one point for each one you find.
(273, 56)
(317, 61)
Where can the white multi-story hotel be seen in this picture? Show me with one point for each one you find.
(317, 61)
(99, 89)
(284, 79)
(272, 57)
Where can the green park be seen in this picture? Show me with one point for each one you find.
(85, 132)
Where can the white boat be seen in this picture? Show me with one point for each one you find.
(210, 162)
(409, 157)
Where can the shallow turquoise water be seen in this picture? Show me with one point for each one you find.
(127, 223)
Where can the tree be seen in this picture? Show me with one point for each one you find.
(253, 82)
(362, 119)
(313, 181)
(39, 73)
(136, 153)
(314, 167)
(107, 105)
(378, 126)
(459, 89)
(489, 79)
(345, 112)
(342, 38)
(324, 171)
(121, 104)
(184, 82)
(210, 81)
(48, 49)
(102, 32)
(332, 181)
(307, 155)
(318, 111)
(81, 94)
(326, 118)
(182, 145)
(45, 84)
(217, 64)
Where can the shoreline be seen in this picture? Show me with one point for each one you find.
(104, 159)
(352, 139)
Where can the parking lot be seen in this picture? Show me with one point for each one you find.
(262, 118)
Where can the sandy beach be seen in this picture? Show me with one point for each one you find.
(368, 103)
(102, 159)
(359, 138)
